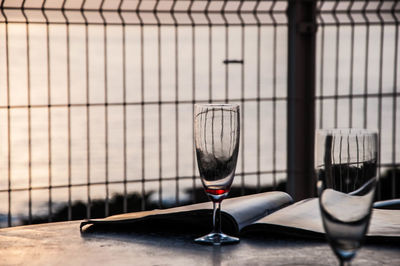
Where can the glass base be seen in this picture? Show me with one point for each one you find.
(345, 256)
(217, 239)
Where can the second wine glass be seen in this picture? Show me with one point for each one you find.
(346, 167)
(217, 133)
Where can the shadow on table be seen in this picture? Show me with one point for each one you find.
(203, 225)
(184, 239)
(168, 242)
(183, 231)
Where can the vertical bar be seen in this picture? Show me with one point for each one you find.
(176, 104)
(226, 51)
(125, 201)
(143, 205)
(382, 24)
(301, 93)
(337, 52)
(69, 111)
(364, 13)
(274, 40)
(209, 52)
(9, 218)
(321, 80)
(28, 78)
(242, 141)
(351, 64)
(159, 105)
(258, 94)
(88, 160)
(107, 207)
(193, 99)
(394, 117)
(49, 129)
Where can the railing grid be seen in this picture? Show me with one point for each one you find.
(358, 75)
(109, 96)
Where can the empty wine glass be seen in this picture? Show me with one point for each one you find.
(216, 133)
(346, 163)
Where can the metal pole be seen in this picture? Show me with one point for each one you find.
(301, 96)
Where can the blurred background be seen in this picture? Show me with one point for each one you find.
(97, 97)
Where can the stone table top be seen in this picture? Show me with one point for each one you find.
(63, 244)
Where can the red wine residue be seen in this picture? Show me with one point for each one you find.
(216, 191)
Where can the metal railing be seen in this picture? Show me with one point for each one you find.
(112, 109)
(357, 76)
(97, 97)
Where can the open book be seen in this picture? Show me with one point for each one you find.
(270, 212)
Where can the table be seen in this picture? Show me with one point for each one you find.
(62, 244)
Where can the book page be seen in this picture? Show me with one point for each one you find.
(305, 217)
(236, 212)
(301, 215)
(248, 209)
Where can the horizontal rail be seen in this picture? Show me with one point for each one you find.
(132, 181)
(348, 96)
(261, 99)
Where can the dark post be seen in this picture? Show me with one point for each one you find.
(301, 92)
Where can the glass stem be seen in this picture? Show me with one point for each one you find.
(217, 217)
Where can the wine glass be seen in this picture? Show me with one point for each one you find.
(216, 133)
(346, 166)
